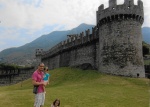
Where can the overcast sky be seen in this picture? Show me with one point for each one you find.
(22, 21)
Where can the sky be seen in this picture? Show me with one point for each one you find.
(22, 21)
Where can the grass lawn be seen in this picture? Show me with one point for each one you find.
(146, 62)
(81, 88)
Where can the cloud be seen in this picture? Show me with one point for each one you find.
(146, 13)
(49, 12)
(26, 20)
(34, 14)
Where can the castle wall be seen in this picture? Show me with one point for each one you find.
(74, 54)
(65, 58)
(52, 62)
(81, 55)
(97, 55)
(15, 76)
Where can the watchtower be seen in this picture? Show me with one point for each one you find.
(120, 38)
(38, 55)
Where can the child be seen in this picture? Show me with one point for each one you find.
(46, 77)
(56, 103)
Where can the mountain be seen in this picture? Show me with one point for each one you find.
(146, 34)
(26, 54)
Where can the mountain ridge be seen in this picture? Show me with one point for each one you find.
(146, 34)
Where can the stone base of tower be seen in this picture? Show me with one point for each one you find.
(129, 71)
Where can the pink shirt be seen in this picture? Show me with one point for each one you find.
(38, 77)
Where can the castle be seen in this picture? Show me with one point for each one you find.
(114, 46)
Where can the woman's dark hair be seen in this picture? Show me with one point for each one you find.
(55, 102)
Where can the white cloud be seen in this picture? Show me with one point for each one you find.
(34, 15)
(146, 4)
(69, 13)
(64, 12)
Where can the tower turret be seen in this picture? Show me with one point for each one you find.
(120, 38)
(38, 55)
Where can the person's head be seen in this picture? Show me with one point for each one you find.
(41, 67)
(56, 103)
(46, 69)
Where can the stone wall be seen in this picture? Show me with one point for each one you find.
(74, 52)
(15, 76)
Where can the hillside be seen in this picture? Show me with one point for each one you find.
(81, 88)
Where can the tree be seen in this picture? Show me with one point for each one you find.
(145, 50)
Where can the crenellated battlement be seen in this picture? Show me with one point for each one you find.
(120, 12)
(72, 41)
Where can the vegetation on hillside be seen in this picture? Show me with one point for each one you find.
(4, 66)
(146, 49)
(146, 53)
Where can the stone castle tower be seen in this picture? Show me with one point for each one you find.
(120, 38)
(38, 54)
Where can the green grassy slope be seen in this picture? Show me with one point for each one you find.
(78, 88)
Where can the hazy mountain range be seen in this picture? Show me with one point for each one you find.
(26, 54)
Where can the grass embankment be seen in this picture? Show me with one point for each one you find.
(78, 88)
